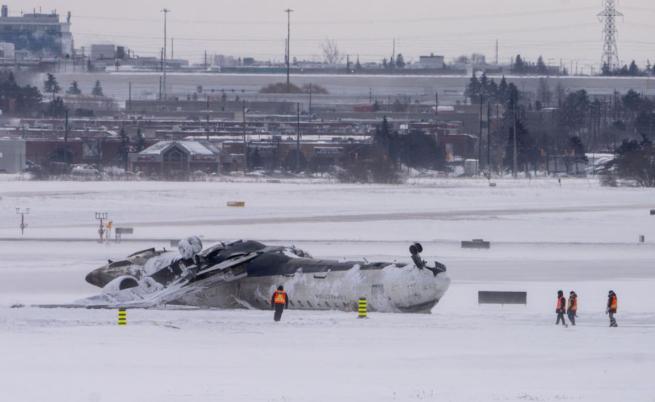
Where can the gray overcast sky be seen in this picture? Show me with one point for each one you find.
(567, 29)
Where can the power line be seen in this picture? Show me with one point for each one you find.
(485, 16)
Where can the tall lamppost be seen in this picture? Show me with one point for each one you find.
(163, 67)
(288, 11)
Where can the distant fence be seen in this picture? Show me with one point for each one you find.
(492, 297)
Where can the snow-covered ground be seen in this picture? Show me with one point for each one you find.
(544, 237)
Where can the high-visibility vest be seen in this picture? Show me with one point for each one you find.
(613, 303)
(573, 303)
(561, 303)
(280, 297)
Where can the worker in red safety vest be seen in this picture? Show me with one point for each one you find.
(572, 310)
(612, 304)
(279, 302)
(560, 308)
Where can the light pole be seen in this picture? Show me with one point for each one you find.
(288, 11)
(165, 11)
(244, 110)
(101, 217)
(22, 212)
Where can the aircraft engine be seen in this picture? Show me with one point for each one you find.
(189, 247)
(121, 283)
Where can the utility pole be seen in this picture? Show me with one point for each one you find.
(245, 141)
(101, 217)
(610, 57)
(165, 11)
(480, 138)
(488, 140)
(129, 97)
(66, 128)
(298, 140)
(172, 48)
(436, 104)
(22, 212)
(288, 56)
(207, 126)
(515, 159)
(310, 101)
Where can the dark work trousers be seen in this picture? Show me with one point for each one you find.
(279, 308)
(613, 320)
(560, 316)
(571, 315)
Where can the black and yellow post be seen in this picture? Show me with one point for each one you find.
(362, 307)
(122, 316)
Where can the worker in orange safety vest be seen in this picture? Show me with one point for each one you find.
(560, 308)
(279, 302)
(612, 304)
(572, 310)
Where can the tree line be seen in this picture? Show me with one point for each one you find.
(28, 100)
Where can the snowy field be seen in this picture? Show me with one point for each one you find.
(544, 237)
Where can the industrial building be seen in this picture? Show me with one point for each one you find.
(12, 155)
(41, 35)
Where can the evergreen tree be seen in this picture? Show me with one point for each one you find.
(484, 87)
(577, 148)
(97, 89)
(502, 90)
(512, 100)
(74, 89)
(56, 108)
(492, 91)
(633, 160)
(400, 61)
(358, 66)
(574, 110)
(473, 89)
(51, 86)
(633, 70)
(527, 151)
(384, 63)
(519, 66)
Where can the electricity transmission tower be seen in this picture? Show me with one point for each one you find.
(610, 49)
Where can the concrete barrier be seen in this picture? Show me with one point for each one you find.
(496, 297)
(476, 243)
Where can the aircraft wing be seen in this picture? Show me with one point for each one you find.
(151, 294)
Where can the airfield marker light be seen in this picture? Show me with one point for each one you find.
(122, 316)
(362, 308)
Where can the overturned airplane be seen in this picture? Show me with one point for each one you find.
(244, 274)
